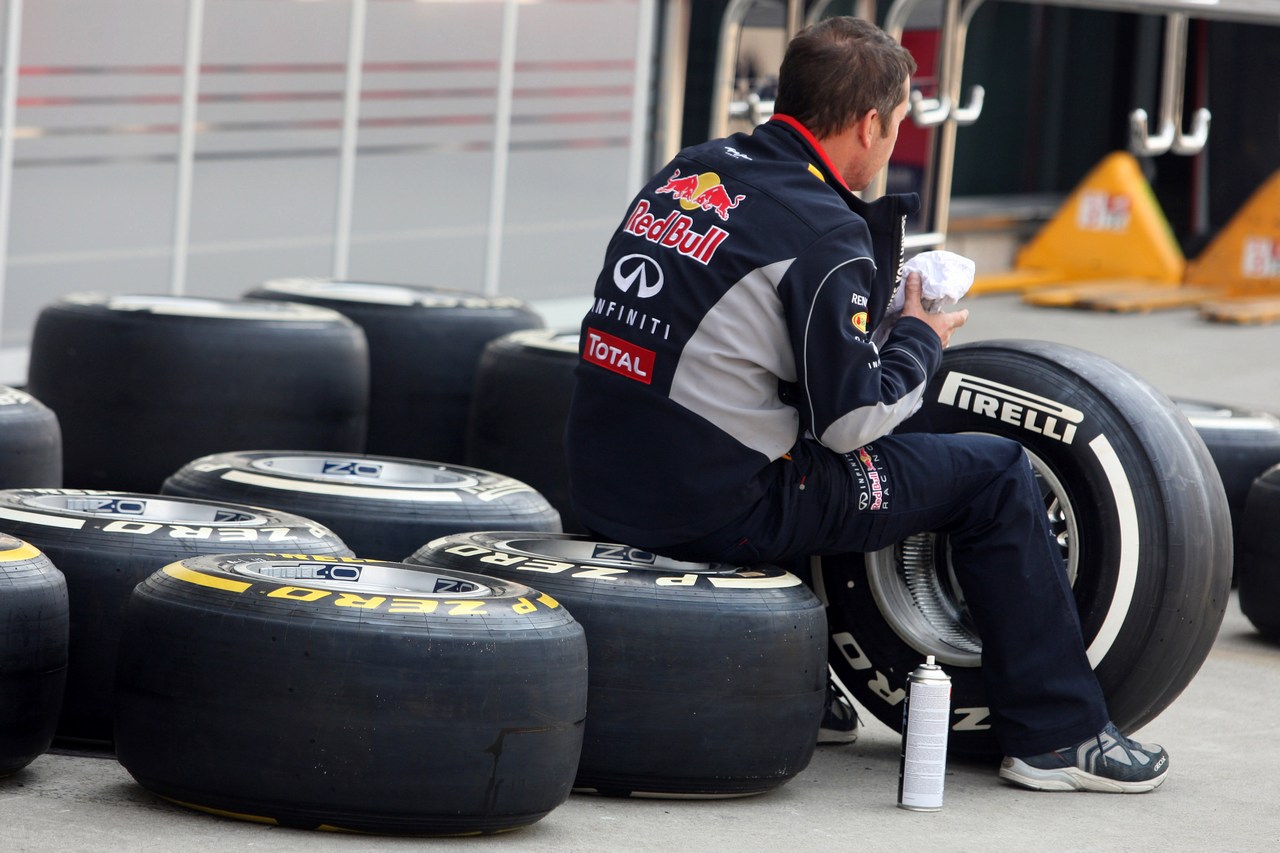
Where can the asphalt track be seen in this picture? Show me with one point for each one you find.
(1220, 733)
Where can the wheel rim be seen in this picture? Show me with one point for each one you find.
(915, 587)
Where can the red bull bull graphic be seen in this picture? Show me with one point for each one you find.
(675, 231)
(701, 192)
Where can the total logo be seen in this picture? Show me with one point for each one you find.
(640, 271)
(701, 192)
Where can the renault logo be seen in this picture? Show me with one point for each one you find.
(640, 270)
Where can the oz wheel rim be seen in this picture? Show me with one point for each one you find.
(915, 586)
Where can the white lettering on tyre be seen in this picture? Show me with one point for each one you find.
(1011, 405)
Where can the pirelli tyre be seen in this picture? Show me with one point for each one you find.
(384, 508)
(1133, 498)
(1243, 443)
(519, 410)
(352, 695)
(1258, 564)
(141, 384)
(706, 680)
(105, 543)
(30, 442)
(424, 345)
(33, 652)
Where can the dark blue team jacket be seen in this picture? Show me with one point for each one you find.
(733, 318)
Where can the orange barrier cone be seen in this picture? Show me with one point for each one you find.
(1109, 234)
(1244, 260)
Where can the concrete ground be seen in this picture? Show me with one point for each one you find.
(1220, 733)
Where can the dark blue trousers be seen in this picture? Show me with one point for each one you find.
(981, 492)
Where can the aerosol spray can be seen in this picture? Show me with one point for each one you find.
(926, 715)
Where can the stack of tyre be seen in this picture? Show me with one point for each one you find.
(367, 601)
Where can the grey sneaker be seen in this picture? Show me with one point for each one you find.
(1108, 762)
(840, 720)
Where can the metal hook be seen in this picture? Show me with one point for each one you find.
(1188, 145)
(1170, 137)
(1141, 141)
(968, 115)
(929, 112)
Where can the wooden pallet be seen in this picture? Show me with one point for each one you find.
(1081, 294)
(1145, 299)
(1243, 310)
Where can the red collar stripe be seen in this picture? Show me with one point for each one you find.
(813, 143)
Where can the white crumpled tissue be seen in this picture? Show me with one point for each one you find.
(944, 278)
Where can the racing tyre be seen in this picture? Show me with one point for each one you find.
(30, 442)
(383, 508)
(1243, 444)
(424, 344)
(519, 410)
(33, 652)
(1258, 565)
(141, 384)
(1133, 498)
(105, 543)
(706, 680)
(350, 695)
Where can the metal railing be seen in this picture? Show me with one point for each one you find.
(190, 127)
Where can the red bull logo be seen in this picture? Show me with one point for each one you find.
(701, 192)
(674, 231)
(873, 477)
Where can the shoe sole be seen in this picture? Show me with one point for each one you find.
(1074, 779)
(830, 737)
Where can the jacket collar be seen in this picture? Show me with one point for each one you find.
(883, 213)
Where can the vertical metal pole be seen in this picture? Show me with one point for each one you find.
(8, 104)
(794, 22)
(187, 146)
(637, 167)
(350, 127)
(501, 146)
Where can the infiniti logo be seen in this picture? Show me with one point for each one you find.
(640, 270)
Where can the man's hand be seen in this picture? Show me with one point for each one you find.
(943, 322)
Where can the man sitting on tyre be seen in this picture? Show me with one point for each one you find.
(731, 404)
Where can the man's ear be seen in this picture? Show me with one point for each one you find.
(868, 127)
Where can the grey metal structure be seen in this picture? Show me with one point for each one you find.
(946, 113)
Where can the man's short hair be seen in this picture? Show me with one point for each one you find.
(837, 71)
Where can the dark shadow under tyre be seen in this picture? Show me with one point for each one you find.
(1134, 500)
(142, 384)
(33, 652)
(384, 508)
(519, 410)
(350, 695)
(424, 345)
(105, 543)
(706, 680)
(30, 442)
